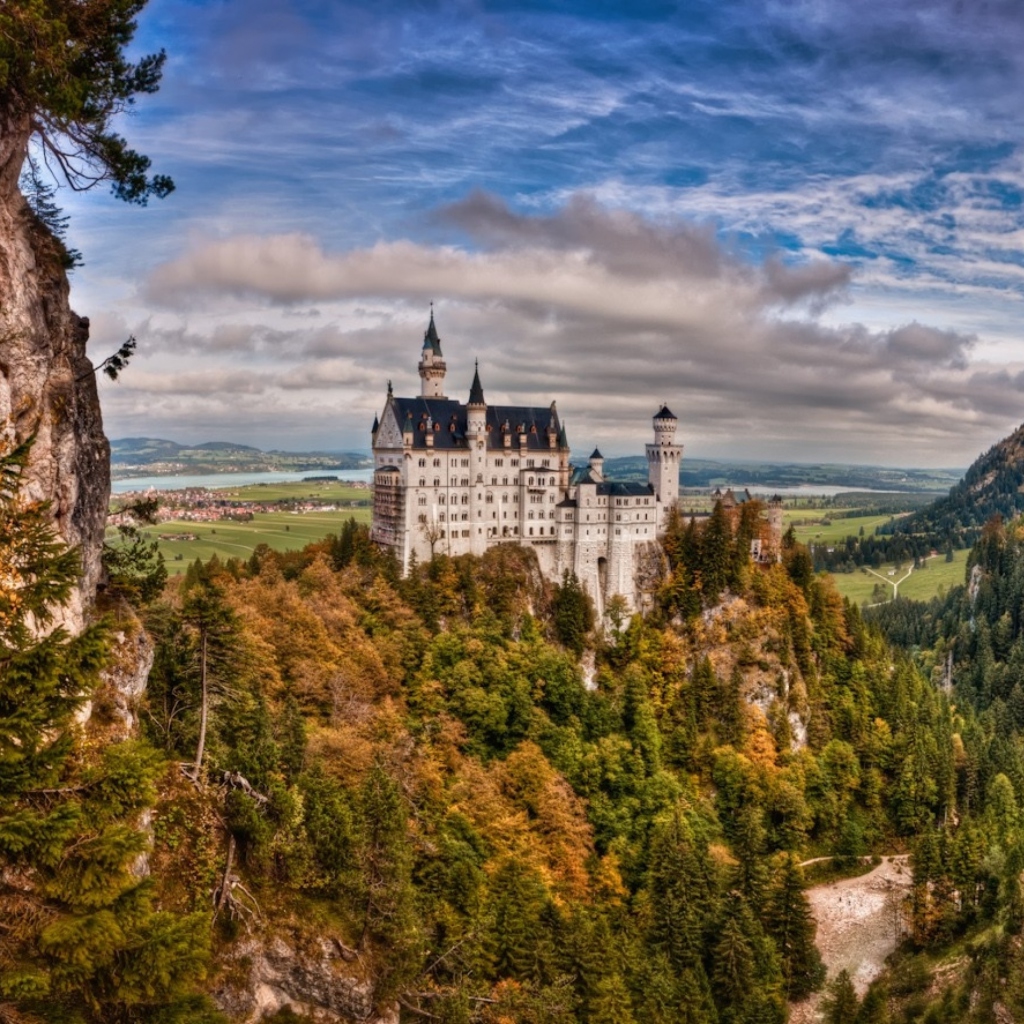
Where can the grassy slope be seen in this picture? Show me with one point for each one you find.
(922, 585)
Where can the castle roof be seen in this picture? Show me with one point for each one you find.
(623, 489)
(476, 391)
(596, 454)
(448, 421)
(665, 413)
(430, 336)
(376, 425)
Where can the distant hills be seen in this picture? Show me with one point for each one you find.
(709, 473)
(994, 484)
(154, 456)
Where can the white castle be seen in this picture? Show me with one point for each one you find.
(461, 478)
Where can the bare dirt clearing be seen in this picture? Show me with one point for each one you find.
(858, 926)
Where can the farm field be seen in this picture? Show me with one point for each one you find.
(921, 585)
(282, 531)
(809, 528)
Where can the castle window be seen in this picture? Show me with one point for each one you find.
(423, 481)
(437, 462)
(504, 498)
(494, 481)
(465, 481)
(441, 517)
(551, 481)
(531, 531)
(437, 428)
(437, 481)
(545, 463)
(504, 481)
(499, 462)
(465, 462)
(423, 518)
(529, 463)
(422, 463)
(530, 482)
(465, 499)
(423, 427)
(515, 462)
(451, 428)
(531, 514)
(440, 499)
(490, 498)
(423, 499)
(465, 516)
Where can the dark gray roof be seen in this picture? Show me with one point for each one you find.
(624, 490)
(448, 422)
(430, 337)
(476, 391)
(376, 425)
(596, 454)
(665, 413)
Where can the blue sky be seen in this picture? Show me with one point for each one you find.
(799, 223)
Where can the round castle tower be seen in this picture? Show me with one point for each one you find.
(432, 365)
(663, 459)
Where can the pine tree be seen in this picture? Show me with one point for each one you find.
(790, 923)
(80, 938)
(840, 1005)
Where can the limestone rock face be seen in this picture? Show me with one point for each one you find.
(315, 982)
(48, 389)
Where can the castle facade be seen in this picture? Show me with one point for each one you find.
(460, 478)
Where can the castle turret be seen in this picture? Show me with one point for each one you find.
(476, 407)
(432, 365)
(663, 459)
(597, 465)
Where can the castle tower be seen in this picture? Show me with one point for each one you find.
(432, 365)
(663, 459)
(476, 439)
(775, 526)
(596, 464)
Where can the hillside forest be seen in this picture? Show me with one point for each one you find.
(487, 806)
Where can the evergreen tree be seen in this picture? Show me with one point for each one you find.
(840, 1005)
(790, 923)
(79, 937)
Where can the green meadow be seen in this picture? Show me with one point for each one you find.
(282, 530)
(822, 527)
(920, 585)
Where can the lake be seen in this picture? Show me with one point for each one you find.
(222, 480)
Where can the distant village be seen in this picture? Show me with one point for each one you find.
(203, 505)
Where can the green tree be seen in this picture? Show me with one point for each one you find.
(790, 923)
(840, 1004)
(79, 937)
(64, 77)
(572, 613)
(216, 644)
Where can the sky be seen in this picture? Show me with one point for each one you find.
(800, 223)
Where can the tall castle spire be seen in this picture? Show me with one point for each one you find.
(476, 391)
(432, 366)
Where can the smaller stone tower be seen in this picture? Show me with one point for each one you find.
(432, 364)
(775, 526)
(664, 457)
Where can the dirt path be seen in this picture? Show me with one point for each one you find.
(857, 922)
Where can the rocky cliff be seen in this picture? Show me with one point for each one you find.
(48, 388)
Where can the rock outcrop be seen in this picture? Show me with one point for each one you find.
(315, 982)
(48, 388)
